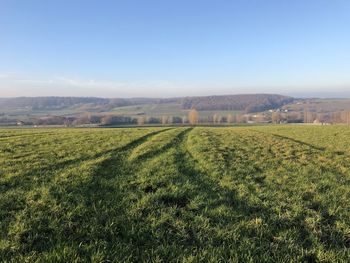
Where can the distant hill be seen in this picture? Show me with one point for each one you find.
(51, 103)
(247, 102)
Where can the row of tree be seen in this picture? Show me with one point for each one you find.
(192, 118)
(276, 117)
(342, 117)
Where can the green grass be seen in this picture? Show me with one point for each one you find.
(320, 105)
(158, 110)
(241, 194)
(154, 110)
(149, 110)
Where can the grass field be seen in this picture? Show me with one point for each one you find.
(171, 109)
(149, 110)
(239, 194)
(319, 105)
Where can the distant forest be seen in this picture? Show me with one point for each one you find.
(248, 103)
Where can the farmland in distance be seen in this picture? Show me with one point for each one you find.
(188, 194)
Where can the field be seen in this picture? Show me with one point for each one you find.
(149, 110)
(319, 105)
(233, 194)
(170, 109)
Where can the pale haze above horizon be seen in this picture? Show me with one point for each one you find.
(174, 48)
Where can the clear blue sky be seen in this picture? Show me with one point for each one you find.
(174, 47)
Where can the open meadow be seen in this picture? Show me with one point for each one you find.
(175, 194)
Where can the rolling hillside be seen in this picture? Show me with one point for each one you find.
(251, 102)
(202, 194)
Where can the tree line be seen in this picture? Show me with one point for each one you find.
(193, 117)
(248, 103)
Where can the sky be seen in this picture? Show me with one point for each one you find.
(166, 48)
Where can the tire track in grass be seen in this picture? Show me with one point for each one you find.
(334, 162)
(203, 198)
(157, 190)
(138, 231)
(94, 217)
(64, 165)
(141, 160)
(272, 146)
(104, 194)
(57, 201)
(292, 168)
(156, 151)
(317, 155)
(200, 196)
(302, 143)
(215, 197)
(256, 213)
(208, 177)
(332, 169)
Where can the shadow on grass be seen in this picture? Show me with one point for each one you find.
(91, 216)
(83, 213)
(216, 196)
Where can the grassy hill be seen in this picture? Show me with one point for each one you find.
(25, 105)
(244, 194)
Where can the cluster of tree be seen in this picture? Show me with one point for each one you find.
(283, 117)
(242, 118)
(4, 121)
(96, 119)
(341, 117)
(192, 118)
(302, 117)
(248, 103)
(164, 120)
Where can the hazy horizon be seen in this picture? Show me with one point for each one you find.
(305, 95)
(174, 49)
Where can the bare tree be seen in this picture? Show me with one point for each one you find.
(193, 116)
(239, 118)
(276, 117)
(217, 118)
(230, 118)
(336, 117)
(141, 120)
(164, 120)
(345, 117)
